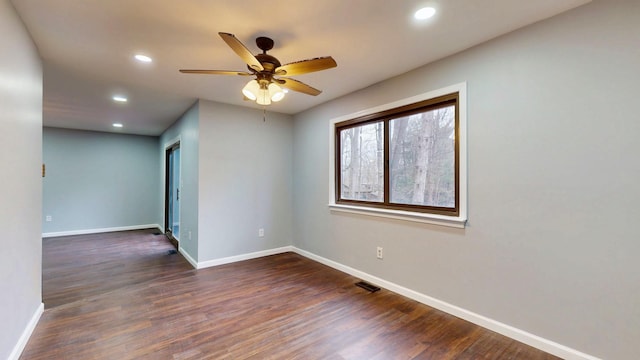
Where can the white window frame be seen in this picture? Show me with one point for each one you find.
(444, 220)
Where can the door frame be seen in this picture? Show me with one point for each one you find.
(169, 148)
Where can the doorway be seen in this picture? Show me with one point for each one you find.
(172, 193)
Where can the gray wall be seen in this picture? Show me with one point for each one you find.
(21, 190)
(99, 180)
(245, 180)
(551, 246)
(186, 130)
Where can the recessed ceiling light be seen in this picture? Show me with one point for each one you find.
(118, 125)
(119, 98)
(143, 58)
(424, 13)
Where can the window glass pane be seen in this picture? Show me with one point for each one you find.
(422, 158)
(361, 162)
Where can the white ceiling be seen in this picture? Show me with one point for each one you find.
(88, 47)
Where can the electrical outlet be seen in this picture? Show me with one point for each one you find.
(49, 218)
(379, 252)
(260, 232)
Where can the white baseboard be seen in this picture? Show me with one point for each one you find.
(26, 334)
(232, 259)
(504, 329)
(102, 230)
(188, 257)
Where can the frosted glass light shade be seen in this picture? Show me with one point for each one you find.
(251, 90)
(275, 92)
(263, 97)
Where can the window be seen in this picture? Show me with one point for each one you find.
(403, 159)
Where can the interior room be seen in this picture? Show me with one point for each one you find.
(539, 247)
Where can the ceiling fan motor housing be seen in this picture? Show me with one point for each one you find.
(269, 63)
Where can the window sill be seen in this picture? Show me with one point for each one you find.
(455, 222)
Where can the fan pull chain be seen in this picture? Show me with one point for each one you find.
(264, 114)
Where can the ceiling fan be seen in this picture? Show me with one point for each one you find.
(265, 88)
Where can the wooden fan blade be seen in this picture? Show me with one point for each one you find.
(215, 72)
(241, 50)
(306, 66)
(298, 86)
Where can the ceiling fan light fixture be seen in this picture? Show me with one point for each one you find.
(263, 93)
(263, 97)
(275, 92)
(250, 91)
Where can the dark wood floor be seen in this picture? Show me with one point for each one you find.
(122, 296)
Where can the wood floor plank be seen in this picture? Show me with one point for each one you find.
(124, 296)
